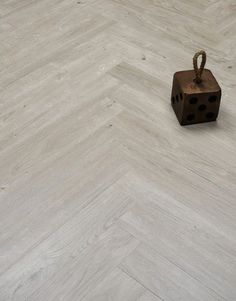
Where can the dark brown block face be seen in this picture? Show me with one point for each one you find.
(192, 102)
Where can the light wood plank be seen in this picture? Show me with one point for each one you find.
(83, 233)
(117, 286)
(164, 278)
(183, 237)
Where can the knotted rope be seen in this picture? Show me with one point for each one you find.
(198, 71)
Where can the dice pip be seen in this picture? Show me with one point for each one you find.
(196, 94)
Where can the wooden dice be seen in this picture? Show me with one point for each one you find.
(196, 94)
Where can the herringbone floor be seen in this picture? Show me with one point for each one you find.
(103, 196)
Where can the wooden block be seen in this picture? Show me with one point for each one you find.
(194, 98)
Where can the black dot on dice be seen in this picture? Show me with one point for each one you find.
(202, 108)
(210, 115)
(190, 117)
(193, 100)
(212, 98)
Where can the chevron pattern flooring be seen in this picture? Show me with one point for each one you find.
(103, 196)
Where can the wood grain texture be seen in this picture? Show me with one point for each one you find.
(103, 196)
(119, 286)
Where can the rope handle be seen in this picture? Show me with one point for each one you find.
(198, 71)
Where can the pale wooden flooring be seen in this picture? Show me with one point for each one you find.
(103, 196)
